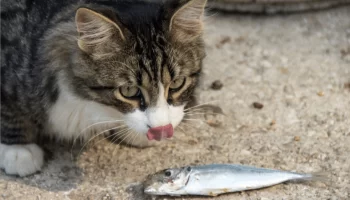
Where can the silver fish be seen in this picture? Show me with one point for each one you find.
(215, 179)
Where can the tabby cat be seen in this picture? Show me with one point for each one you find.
(74, 68)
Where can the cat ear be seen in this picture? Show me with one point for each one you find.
(186, 23)
(97, 33)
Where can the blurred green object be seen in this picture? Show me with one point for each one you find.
(274, 6)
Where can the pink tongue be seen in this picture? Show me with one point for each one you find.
(157, 133)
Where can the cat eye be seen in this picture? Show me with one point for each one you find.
(178, 83)
(129, 91)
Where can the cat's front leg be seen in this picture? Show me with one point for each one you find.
(21, 159)
(19, 155)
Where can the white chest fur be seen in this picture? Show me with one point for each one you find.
(70, 116)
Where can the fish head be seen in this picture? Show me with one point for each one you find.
(167, 181)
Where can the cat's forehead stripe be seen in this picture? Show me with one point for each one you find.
(153, 57)
(143, 67)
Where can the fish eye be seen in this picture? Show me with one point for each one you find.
(167, 173)
(188, 169)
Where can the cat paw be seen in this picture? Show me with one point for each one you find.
(21, 160)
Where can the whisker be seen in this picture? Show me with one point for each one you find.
(196, 113)
(189, 125)
(202, 109)
(114, 134)
(98, 135)
(207, 109)
(209, 102)
(194, 120)
(182, 130)
(126, 135)
(119, 135)
(103, 122)
(209, 113)
(133, 138)
(195, 109)
(81, 132)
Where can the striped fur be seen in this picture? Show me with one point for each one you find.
(64, 62)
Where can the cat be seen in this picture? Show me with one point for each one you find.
(71, 69)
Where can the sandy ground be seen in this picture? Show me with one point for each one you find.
(297, 66)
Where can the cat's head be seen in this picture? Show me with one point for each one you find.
(143, 60)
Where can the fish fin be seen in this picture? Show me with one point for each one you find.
(320, 176)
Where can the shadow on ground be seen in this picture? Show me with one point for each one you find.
(60, 172)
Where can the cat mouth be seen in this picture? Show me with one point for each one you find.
(160, 132)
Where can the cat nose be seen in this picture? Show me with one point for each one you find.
(159, 132)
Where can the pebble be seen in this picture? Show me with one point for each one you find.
(284, 70)
(273, 122)
(214, 123)
(258, 105)
(347, 86)
(297, 138)
(217, 85)
(320, 93)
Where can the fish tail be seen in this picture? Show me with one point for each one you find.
(317, 176)
(320, 176)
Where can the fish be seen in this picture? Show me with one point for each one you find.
(216, 179)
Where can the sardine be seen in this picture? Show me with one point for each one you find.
(215, 179)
